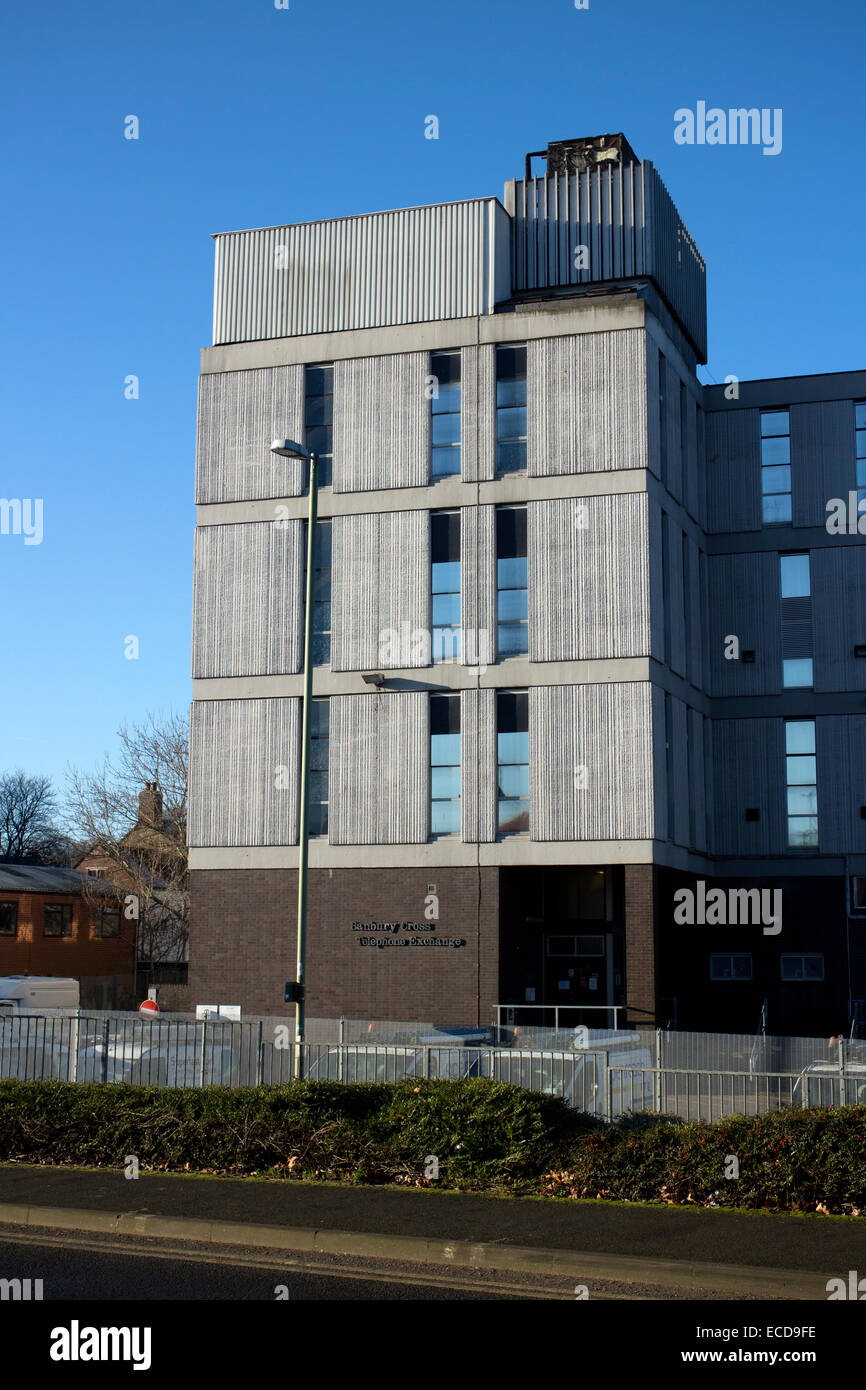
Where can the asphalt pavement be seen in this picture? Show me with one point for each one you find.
(808, 1242)
(94, 1270)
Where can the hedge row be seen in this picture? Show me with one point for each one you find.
(790, 1160)
(486, 1136)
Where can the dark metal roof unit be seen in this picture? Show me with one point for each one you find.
(586, 152)
(37, 878)
(599, 216)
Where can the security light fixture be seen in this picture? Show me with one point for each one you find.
(289, 449)
(752, 813)
(748, 657)
(860, 650)
(373, 678)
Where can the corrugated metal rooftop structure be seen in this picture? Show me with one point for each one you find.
(413, 265)
(598, 217)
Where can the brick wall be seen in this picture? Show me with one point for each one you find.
(242, 942)
(641, 936)
(175, 999)
(82, 953)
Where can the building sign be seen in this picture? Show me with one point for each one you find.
(384, 934)
(208, 1011)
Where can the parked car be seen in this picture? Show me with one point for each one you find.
(384, 1062)
(159, 1054)
(822, 1083)
(604, 1071)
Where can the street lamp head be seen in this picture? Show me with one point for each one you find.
(289, 449)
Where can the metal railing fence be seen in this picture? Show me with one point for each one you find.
(711, 1095)
(618, 1072)
(554, 1017)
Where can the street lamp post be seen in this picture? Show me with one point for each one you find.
(288, 448)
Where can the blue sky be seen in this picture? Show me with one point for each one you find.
(252, 116)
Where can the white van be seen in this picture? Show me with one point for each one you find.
(32, 994)
(158, 1053)
(35, 1020)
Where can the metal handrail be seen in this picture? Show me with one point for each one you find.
(615, 1009)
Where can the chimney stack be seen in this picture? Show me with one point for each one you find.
(150, 805)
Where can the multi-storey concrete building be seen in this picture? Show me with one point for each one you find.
(618, 648)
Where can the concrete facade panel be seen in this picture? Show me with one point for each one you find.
(248, 599)
(244, 766)
(590, 762)
(381, 600)
(589, 578)
(239, 414)
(586, 403)
(381, 423)
(379, 776)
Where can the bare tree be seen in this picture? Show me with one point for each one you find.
(28, 807)
(132, 812)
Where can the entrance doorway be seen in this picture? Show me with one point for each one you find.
(576, 972)
(561, 942)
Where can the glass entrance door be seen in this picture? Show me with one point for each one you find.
(575, 971)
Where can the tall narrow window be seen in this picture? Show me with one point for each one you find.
(794, 575)
(512, 756)
(445, 409)
(691, 754)
(445, 556)
(684, 446)
(510, 409)
(775, 466)
(512, 604)
(321, 592)
(319, 734)
(703, 619)
(802, 783)
(666, 589)
(860, 447)
(319, 416)
(700, 487)
(444, 764)
(687, 605)
(670, 765)
(663, 419)
(796, 590)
